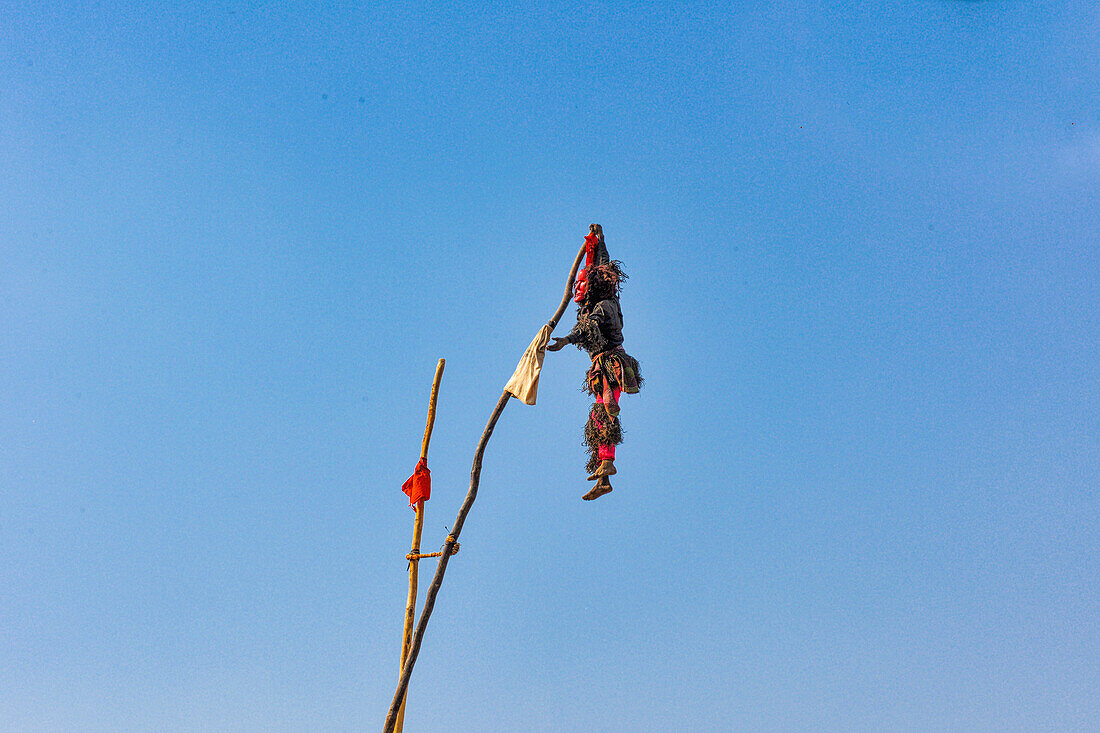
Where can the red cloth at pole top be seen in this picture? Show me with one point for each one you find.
(419, 485)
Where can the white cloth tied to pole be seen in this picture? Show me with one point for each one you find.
(524, 384)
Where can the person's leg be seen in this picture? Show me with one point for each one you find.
(606, 451)
(610, 397)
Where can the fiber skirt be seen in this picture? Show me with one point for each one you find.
(615, 369)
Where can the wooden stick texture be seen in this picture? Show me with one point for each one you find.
(418, 530)
(441, 568)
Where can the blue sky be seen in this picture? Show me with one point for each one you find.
(858, 491)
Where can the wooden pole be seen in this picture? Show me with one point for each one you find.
(418, 529)
(452, 539)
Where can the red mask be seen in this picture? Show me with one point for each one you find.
(580, 287)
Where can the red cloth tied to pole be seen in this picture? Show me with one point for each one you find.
(419, 485)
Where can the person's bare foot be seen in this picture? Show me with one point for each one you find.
(606, 468)
(603, 486)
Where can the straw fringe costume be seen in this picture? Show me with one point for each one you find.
(599, 331)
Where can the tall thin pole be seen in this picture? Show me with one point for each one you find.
(418, 529)
(452, 539)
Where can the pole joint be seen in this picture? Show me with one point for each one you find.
(415, 554)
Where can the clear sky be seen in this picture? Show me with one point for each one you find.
(858, 492)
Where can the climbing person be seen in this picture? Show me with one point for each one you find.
(599, 331)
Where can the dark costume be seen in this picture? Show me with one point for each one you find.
(599, 331)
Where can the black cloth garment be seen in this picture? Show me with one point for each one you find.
(600, 328)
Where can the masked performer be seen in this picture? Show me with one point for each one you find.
(599, 331)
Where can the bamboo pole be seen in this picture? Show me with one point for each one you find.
(452, 539)
(418, 529)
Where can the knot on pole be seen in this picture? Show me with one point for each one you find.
(414, 554)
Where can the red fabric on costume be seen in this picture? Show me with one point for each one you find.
(419, 485)
(590, 241)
